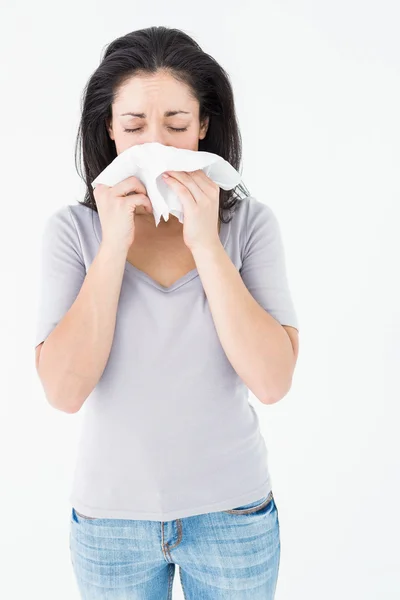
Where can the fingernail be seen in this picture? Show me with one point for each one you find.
(165, 175)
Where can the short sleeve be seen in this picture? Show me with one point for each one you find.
(263, 267)
(62, 271)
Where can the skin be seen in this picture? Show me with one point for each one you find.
(153, 95)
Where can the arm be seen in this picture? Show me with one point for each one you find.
(77, 313)
(256, 345)
(74, 355)
(252, 309)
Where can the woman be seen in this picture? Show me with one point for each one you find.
(160, 332)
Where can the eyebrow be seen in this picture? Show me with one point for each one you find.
(168, 113)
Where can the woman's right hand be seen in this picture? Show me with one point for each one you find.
(116, 209)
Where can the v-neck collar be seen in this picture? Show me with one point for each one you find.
(133, 271)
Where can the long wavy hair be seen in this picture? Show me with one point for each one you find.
(147, 51)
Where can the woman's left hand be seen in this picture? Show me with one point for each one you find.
(200, 200)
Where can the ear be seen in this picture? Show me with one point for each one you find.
(204, 128)
(109, 128)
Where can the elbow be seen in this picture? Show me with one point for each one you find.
(68, 408)
(64, 405)
(273, 398)
(57, 394)
(67, 402)
(270, 400)
(58, 401)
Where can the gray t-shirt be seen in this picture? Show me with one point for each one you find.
(168, 431)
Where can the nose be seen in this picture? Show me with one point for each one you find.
(157, 138)
(155, 133)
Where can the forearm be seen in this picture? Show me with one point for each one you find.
(256, 345)
(74, 355)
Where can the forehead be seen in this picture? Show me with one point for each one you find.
(160, 87)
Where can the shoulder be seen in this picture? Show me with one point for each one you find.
(258, 222)
(81, 213)
(259, 213)
(69, 217)
(69, 228)
(250, 212)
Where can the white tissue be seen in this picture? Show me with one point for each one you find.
(148, 161)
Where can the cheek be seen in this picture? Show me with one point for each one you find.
(187, 141)
(123, 145)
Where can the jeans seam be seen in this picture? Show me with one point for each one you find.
(252, 509)
(170, 580)
(182, 586)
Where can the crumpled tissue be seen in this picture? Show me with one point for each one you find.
(148, 161)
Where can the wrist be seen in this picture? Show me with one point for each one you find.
(208, 250)
(113, 249)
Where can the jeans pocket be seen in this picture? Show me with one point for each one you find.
(251, 507)
(76, 516)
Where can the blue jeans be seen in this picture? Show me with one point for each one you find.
(230, 554)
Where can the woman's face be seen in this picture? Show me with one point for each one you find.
(151, 98)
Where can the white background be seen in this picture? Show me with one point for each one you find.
(317, 90)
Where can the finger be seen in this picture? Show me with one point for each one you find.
(181, 190)
(204, 182)
(129, 185)
(186, 184)
(100, 188)
(142, 200)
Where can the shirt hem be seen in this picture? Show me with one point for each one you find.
(100, 513)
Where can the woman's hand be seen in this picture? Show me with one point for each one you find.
(116, 207)
(200, 200)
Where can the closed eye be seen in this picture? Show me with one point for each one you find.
(139, 128)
